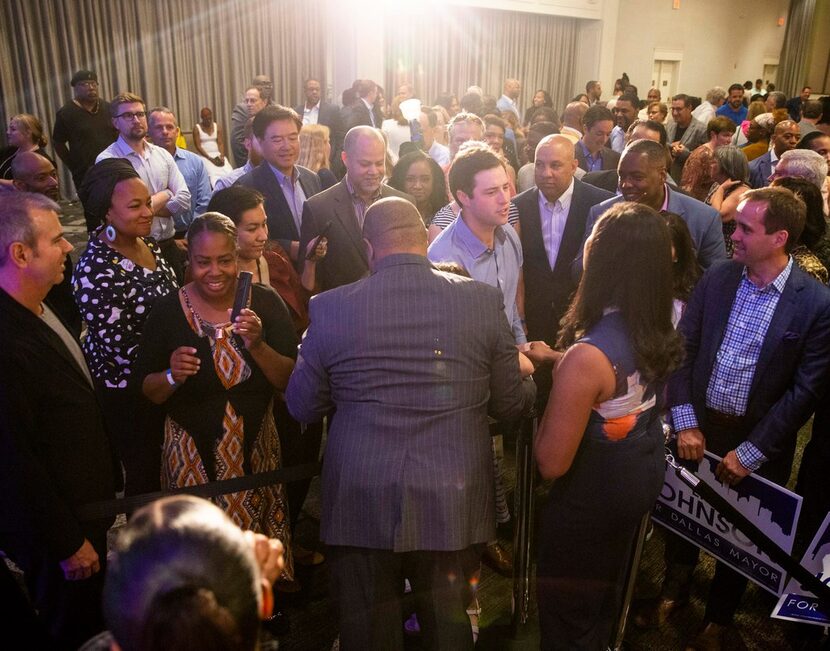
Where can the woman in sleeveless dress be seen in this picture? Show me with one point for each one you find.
(601, 437)
(209, 143)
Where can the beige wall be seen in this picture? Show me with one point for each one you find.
(720, 43)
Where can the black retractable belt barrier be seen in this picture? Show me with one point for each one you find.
(114, 507)
(523, 528)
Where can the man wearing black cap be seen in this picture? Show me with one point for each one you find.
(82, 128)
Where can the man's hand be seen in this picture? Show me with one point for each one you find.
(730, 471)
(691, 444)
(677, 148)
(181, 244)
(82, 564)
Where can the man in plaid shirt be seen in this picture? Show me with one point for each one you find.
(757, 332)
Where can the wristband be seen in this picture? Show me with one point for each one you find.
(168, 374)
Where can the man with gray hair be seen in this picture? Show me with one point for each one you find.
(802, 164)
(340, 210)
(715, 98)
(241, 114)
(56, 452)
(407, 485)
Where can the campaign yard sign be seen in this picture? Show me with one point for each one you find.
(772, 508)
(798, 605)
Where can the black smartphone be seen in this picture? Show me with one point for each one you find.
(322, 234)
(243, 289)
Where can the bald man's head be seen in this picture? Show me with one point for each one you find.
(393, 225)
(573, 114)
(35, 173)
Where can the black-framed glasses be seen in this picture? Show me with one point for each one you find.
(132, 115)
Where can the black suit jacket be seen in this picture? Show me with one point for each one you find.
(608, 180)
(345, 260)
(56, 454)
(791, 371)
(358, 115)
(610, 158)
(548, 290)
(281, 226)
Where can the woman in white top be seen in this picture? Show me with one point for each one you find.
(397, 131)
(208, 142)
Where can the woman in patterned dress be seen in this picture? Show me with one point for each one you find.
(116, 281)
(217, 380)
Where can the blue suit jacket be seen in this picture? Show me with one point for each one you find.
(281, 226)
(760, 170)
(409, 359)
(792, 367)
(703, 221)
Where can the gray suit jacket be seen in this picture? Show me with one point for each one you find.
(409, 360)
(693, 137)
(345, 259)
(760, 170)
(703, 221)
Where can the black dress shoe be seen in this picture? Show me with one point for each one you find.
(277, 624)
(498, 559)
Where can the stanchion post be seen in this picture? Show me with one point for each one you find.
(523, 530)
(631, 580)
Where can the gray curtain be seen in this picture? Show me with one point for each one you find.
(792, 66)
(451, 49)
(184, 54)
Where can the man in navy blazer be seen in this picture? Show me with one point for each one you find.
(643, 180)
(315, 111)
(757, 333)
(411, 360)
(285, 185)
(784, 138)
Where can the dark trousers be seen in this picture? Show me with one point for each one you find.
(298, 446)
(136, 429)
(175, 256)
(68, 612)
(367, 585)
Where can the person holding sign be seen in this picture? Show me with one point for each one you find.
(757, 332)
(601, 437)
(217, 378)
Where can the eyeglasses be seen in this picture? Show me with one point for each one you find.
(129, 115)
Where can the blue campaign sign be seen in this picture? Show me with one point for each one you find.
(770, 507)
(797, 604)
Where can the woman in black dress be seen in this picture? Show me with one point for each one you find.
(217, 380)
(601, 436)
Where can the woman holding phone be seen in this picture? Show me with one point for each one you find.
(217, 380)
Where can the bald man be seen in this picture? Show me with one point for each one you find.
(784, 138)
(35, 173)
(341, 209)
(552, 217)
(407, 484)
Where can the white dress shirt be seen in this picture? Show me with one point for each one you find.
(554, 216)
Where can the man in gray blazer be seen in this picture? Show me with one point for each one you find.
(643, 180)
(410, 361)
(339, 211)
(685, 133)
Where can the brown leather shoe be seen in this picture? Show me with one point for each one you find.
(498, 559)
(710, 638)
(652, 613)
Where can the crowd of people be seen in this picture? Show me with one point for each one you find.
(615, 265)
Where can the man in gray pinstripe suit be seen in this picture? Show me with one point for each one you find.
(407, 362)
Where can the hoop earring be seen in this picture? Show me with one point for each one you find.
(109, 233)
